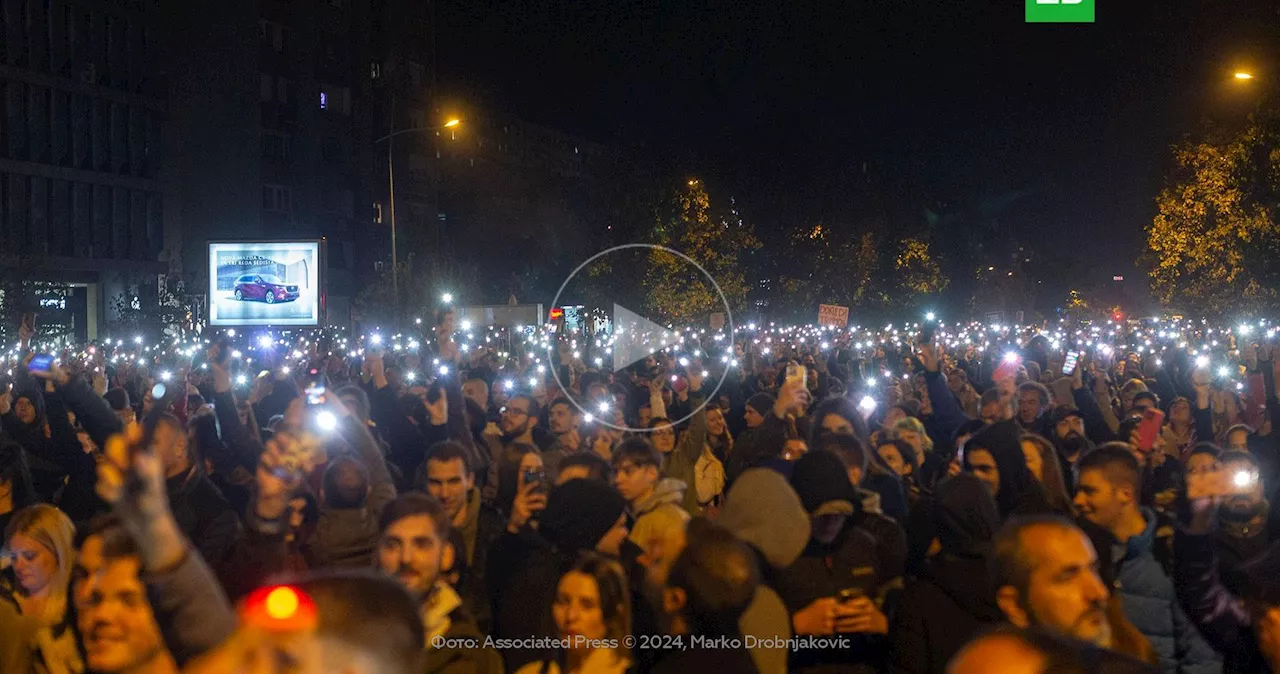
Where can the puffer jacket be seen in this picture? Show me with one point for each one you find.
(681, 462)
(1151, 604)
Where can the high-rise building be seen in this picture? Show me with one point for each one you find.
(82, 198)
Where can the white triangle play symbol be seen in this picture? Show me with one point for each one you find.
(635, 337)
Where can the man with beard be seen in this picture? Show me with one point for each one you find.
(563, 419)
(519, 417)
(1070, 440)
(1045, 572)
(1107, 494)
(414, 547)
(1242, 520)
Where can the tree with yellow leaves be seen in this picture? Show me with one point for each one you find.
(717, 239)
(1214, 245)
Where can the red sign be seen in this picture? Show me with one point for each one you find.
(557, 313)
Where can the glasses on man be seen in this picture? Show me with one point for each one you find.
(515, 412)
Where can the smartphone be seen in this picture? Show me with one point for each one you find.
(1070, 363)
(798, 373)
(849, 594)
(316, 387)
(41, 362)
(536, 476)
(1149, 428)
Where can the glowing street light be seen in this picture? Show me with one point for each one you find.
(1243, 75)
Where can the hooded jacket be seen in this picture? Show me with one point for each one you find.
(953, 598)
(523, 568)
(849, 561)
(660, 515)
(1020, 494)
(764, 511)
(1151, 604)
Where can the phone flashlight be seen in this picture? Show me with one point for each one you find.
(1243, 479)
(1011, 357)
(1202, 361)
(867, 404)
(326, 420)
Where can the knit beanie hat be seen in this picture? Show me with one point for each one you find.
(965, 515)
(761, 402)
(822, 483)
(579, 513)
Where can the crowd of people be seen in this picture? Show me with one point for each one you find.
(805, 501)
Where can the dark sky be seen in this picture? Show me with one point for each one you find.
(958, 100)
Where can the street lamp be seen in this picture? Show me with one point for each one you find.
(391, 190)
(1242, 75)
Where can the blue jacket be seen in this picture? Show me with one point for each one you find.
(1151, 604)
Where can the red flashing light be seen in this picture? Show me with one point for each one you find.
(280, 608)
(557, 313)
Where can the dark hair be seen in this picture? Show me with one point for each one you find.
(362, 400)
(904, 448)
(847, 447)
(1146, 395)
(15, 470)
(639, 451)
(1039, 388)
(1117, 462)
(534, 409)
(1236, 429)
(991, 395)
(346, 483)
(509, 475)
(415, 503)
(1205, 448)
(615, 594)
(370, 612)
(561, 401)
(442, 312)
(597, 468)
(719, 576)
(118, 399)
(1011, 562)
(1051, 483)
(844, 408)
(447, 451)
(194, 400)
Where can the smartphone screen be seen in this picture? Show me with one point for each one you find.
(40, 362)
(1070, 363)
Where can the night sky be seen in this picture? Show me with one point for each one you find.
(959, 103)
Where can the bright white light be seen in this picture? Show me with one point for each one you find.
(684, 362)
(241, 379)
(326, 420)
(447, 298)
(285, 369)
(166, 375)
(929, 316)
(1242, 478)
(588, 418)
(137, 340)
(1011, 357)
(417, 321)
(705, 373)
(375, 339)
(444, 369)
(410, 376)
(542, 369)
(867, 403)
(533, 381)
(1224, 371)
(1244, 329)
(599, 362)
(466, 325)
(231, 332)
(1202, 361)
(264, 341)
(508, 384)
(603, 407)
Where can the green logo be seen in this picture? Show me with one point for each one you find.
(1060, 11)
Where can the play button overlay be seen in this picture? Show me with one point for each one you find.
(635, 337)
(632, 335)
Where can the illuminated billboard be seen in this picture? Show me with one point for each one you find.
(264, 283)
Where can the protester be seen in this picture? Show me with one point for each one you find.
(954, 597)
(764, 512)
(35, 616)
(563, 420)
(995, 456)
(1042, 461)
(653, 502)
(1108, 496)
(592, 614)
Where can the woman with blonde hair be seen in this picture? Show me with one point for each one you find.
(35, 627)
(592, 614)
(1042, 461)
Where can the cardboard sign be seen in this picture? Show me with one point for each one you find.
(833, 315)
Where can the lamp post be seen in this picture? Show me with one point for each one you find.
(391, 189)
